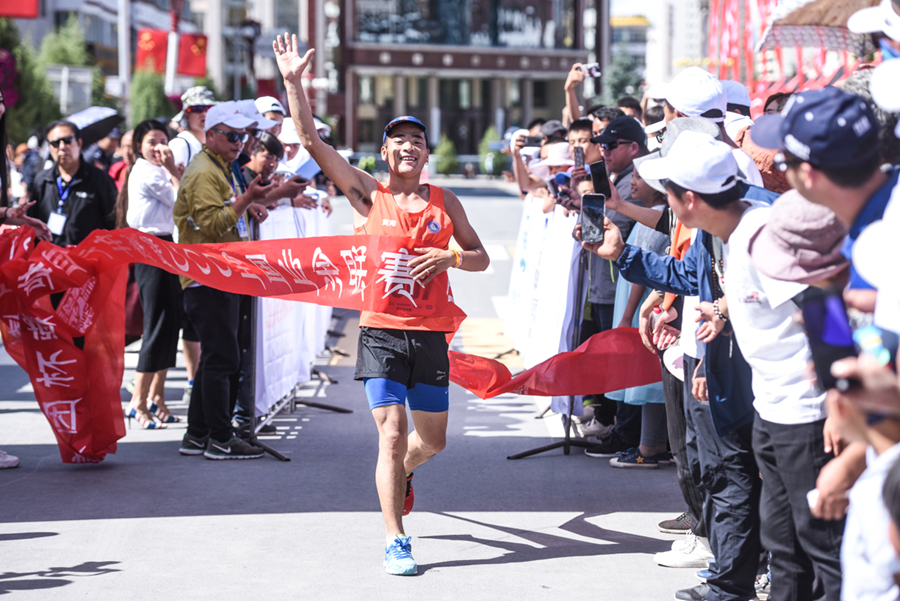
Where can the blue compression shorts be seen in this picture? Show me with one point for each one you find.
(422, 397)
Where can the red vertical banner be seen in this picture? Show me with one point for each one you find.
(20, 9)
(714, 34)
(749, 42)
(192, 54)
(151, 50)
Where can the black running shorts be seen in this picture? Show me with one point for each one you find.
(409, 357)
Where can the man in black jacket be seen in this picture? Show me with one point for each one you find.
(73, 197)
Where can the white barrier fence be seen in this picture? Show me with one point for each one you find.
(289, 334)
(542, 288)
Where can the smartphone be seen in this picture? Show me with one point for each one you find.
(578, 152)
(554, 189)
(600, 178)
(533, 140)
(592, 70)
(592, 209)
(829, 332)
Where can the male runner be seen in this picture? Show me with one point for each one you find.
(399, 357)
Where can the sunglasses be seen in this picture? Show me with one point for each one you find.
(67, 140)
(614, 145)
(196, 109)
(256, 133)
(232, 136)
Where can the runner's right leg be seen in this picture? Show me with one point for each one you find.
(393, 427)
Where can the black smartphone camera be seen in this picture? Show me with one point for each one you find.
(578, 155)
(829, 332)
(600, 179)
(592, 69)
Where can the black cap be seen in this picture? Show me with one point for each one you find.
(622, 128)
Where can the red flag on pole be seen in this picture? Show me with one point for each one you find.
(21, 9)
(192, 54)
(151, 50)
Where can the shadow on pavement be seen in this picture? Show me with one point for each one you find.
(52, 577)
(25, 535)
(551, 546)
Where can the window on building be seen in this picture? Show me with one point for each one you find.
(366, 92)
(465, 94)
(540, 94)
(367, 131)
(502, 23)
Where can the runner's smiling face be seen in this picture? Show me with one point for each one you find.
(405, 150)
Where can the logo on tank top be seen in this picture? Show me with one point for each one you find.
(434, 227)
(389, 223)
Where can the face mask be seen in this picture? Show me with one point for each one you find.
(888, 52)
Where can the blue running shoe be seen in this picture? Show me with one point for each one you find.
(398, 559)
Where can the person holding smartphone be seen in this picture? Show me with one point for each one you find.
(621, 142)
(399, 357)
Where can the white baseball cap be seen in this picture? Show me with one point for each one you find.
(694, 93)
(885, 88)
(696, 162)
(227, 113)
(269, 104)
(881, 18)
(736, 92)
(322, 127)
(249, 110)
(288, 133)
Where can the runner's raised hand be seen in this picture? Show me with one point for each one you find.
(289, 61)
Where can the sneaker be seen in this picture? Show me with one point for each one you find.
(632, 458)
(664, 458)
(595, 428)
(233, 449)
(706, 573)
(692, 553)
(679, 525)
(698, 593)
(610, 447)
(398, 559)
(191, 445)
(410, 495)
(763, 586)
(186, 395)
(8, 461)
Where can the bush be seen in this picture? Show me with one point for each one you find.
(148, 97)
(36, 106)
(445, 155)
(493, 162)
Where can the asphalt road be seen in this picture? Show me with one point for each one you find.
(148, 523)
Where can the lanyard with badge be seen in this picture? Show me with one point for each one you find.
(57, 221)
(241, 223)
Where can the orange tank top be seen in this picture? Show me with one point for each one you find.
(431, 225)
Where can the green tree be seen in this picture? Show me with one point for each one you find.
(621, 78)
(67, 46)
(148, 97)
(445, 155)
(493, 162)
(36, 106)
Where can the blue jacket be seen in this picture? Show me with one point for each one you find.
(728, 375)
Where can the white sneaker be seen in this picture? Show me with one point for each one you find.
(692, 552)
(8, 461)
(595, 428)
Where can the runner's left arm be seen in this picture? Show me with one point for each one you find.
(472, 257)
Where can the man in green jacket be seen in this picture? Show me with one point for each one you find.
(208, 210)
